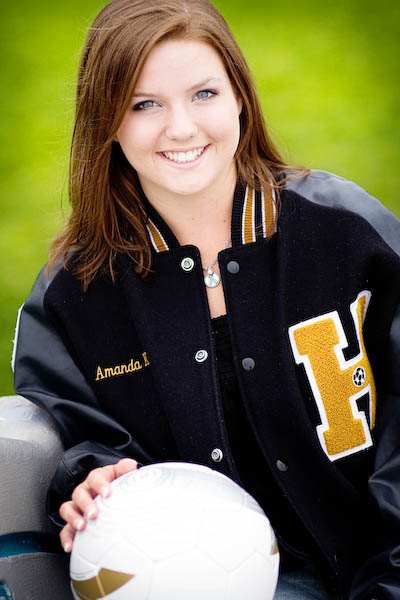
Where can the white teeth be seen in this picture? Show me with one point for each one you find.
(183, 157)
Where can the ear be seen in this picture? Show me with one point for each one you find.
(116, 135)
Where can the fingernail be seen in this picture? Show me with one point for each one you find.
(79, 524)
(105, 491)
(91, 512)
(67, 547)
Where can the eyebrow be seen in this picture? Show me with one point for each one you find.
(193, 87)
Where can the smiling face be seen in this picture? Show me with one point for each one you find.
(182, 129)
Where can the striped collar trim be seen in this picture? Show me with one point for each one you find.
(157, 239)
(254, 217)
(160, 235)
(258, 215)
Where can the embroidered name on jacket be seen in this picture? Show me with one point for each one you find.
(131, 367)
(337, 383)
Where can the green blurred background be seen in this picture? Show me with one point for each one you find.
(327, 73)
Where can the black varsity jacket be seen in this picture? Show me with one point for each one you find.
(128, 369)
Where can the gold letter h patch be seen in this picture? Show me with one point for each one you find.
(337, 383)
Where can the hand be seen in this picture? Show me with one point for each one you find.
(82, 507)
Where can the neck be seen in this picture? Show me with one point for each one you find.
(199, 218)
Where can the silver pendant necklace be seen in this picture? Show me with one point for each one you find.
(211, 278)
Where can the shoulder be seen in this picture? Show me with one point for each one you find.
(43, 282)
(329, 190)
(65, 297)
(63, 284)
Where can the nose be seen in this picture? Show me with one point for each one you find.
(180, 124)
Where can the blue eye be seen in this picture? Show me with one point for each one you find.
(205, 94)
(144, 105)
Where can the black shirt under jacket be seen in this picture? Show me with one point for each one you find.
(295, 544)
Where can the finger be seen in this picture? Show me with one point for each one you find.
(82, 498)
(70, 512)
(125, 465)
(67, 534)
(98, 481)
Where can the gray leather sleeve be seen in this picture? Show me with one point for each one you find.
(42, 366)
(325, 188)
(384, 486)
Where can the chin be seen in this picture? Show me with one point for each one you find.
(188, 188)
(188, 191)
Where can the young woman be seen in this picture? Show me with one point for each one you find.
(207, 303)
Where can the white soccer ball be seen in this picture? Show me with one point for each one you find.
(175, 531)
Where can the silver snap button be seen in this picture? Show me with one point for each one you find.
(187, 264)
(248, 364)
(281, 466)
(201, 355)
(217, 455)
(233, 267)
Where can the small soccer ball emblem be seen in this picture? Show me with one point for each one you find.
(176, 531)
(359, 376)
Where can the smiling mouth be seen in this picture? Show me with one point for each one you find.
(185, 157)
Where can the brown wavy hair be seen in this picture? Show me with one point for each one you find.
(106, 217)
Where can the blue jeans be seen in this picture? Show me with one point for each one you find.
(301, 585)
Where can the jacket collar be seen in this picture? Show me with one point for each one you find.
(253, 219)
